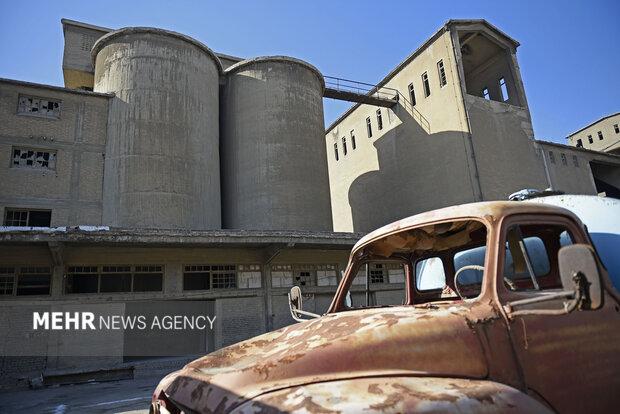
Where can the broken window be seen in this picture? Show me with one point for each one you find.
(368, 127)
(353, 140)
(426, 85)
(563, 157)
(575, 161)
(590, 140)
(344, 146)
(43, 107)
(379, 120)
(442, 74)
(600, 135)
(551, 157)
(114, 279)
(224, 276)
(503, 88)
(281, 275)
(616, 128)
(27, 218)
(411, 94)
(34, 158)
(34, 280)
(303, 275)
(485, 93)
(7, 280)
(326, 275)
(579, 143)
(336, 150)
(249, 276)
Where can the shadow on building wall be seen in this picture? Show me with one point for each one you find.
(418, 171)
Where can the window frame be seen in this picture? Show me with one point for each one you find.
(411, 90)
(505, 295)
(100, 272)
(344, 146)
(18, 272)
(336, 151)
(503, 89)
(52, 152)
(369, 127)
(600, 135)
(486, 94)
(38, 114)
(414, 269)
(27, 211)
(353, 143)
(441, 70)
(590, 139)
(379, 119)
(426, 85)
(579, 143)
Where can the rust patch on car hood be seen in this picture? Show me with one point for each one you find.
(435, 340)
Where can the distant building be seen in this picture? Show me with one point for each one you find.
(602, 135)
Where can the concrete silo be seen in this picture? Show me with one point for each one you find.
(162, 166)
(274, 165)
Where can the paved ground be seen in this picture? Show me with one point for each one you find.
(127, 396)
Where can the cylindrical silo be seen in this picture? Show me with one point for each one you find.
(162, 166)
(274, 165)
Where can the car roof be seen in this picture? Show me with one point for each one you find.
(486, 209)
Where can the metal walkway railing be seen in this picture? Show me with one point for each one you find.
(353, 91)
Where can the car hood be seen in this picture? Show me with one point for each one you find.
(436, 340)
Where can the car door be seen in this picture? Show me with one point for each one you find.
(573, 360)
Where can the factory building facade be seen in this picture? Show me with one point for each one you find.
(461, 132)
(601, 135)
(164, 172)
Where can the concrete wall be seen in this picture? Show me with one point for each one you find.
(274, 172)
(73, 191)
(502, 137)
(611, 138)
(419, 161)
(77, 65)
(162, 154)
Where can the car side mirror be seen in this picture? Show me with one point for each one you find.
(579, 272)
(295, 304)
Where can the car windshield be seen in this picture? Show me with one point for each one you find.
(422, 261)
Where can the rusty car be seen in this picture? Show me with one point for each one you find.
(496, 307)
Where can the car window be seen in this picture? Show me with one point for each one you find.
(430, 274)
(470, 257)
(386, 285)
(531, 256)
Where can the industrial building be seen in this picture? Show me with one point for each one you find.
(165, 171)
(601, 135)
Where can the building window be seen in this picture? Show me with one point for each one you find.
(381, 273)
(43, 107)
(34, 158)
(600, 135)
(616, 128)
(411, 94)
(426, 85)
(590, 140)
(336, 150)
(575, 161)
(27, 218)
(579, 143)
(485, 94)
(114, 279)
(563, 157)
(442, 74)
(207, 277)
(503, 89)
(368, 127)
(344, 146)
(353, 140)
(287, 275)
(249, 276)
(25, 281)
(379, 120)
(551, 157)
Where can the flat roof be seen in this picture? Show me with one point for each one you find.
(55, 88)
(592, 123)
(179, 238)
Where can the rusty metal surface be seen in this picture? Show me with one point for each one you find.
(422, 340)
(397, 395)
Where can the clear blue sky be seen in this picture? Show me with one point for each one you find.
(569, 54)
